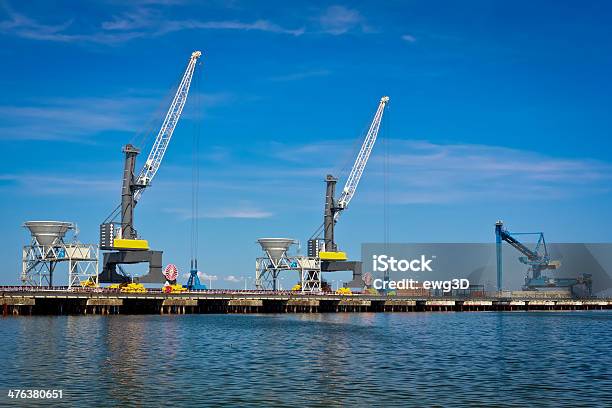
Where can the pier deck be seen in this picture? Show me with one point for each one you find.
(58, 301)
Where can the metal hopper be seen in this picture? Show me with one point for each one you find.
(48, 233)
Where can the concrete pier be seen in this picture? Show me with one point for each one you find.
(20, 301)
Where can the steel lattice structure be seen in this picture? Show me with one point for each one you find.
(268, 268)
(39, 263)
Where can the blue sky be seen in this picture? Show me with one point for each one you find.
(498, 110)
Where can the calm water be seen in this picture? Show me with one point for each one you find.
(403, 359)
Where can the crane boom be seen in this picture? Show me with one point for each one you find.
(522, 248)
(362, 158)
(333, 206)
(167, 129)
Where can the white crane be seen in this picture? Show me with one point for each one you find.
(126, 246)
(334, 207)
(165, 132)
(362, 158)
(134, 186)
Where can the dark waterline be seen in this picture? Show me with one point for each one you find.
(362, 359)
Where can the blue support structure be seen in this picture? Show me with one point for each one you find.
(194, 280)
(498, 250)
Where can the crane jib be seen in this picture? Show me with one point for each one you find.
(164, 136)
(362, 158)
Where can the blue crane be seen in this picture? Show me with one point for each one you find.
(537, 258)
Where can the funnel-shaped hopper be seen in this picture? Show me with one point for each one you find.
(48, 233)
(275, 247)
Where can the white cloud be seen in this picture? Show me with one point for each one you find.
(140, 22)
(80, 119)
(408, 38)
(232, 278)
(25, 27)
(204, 275)
(338, 20)
(258, 25)
(136, 19)
(73, 120)
(418, 172)
(240, 212)
(426, 172)
(149, 19)
(37, 185)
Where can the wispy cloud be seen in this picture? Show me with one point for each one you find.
(135, 19)
(418, 172)
(429, 173)
(296, 76)
(81, 119)
(338, 20)
(408, 38)
(232, 278)
(72, 120)
(150, 19)
(243, 212)
(140, 22)
(258, 25)
(23, 26)
(62, 185)
(26, 27)
(204, 275)
(426, 172)
(152, 22)
(239, 213)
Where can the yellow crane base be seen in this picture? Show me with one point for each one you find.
(333, 256)
(131, 243)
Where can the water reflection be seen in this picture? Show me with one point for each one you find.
(314, 359)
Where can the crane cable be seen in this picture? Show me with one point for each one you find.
(195, 175)
(386, 142)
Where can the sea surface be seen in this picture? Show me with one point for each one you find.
(324, 360)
